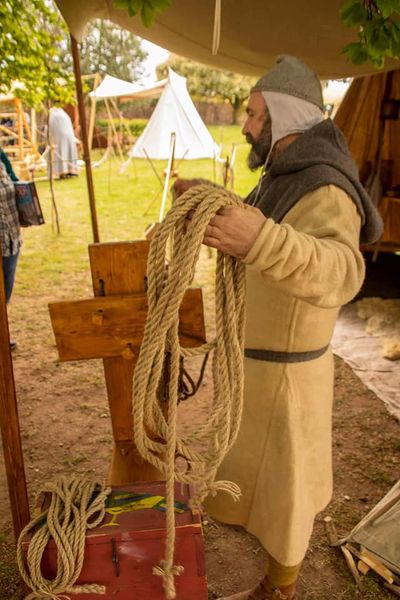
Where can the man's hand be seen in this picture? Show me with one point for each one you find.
(181, 186)
(234, 229)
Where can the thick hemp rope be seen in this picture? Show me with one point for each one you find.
(166, 287)
(76, 504)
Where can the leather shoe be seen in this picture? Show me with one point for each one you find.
(13, 345)
(264, 591)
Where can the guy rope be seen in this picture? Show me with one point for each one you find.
(155, 435)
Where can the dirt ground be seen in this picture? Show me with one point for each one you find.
(65, 429)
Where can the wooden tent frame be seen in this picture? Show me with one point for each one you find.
(111, 105)
(24, 138)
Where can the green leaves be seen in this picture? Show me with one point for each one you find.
(146, 8)
(30, 38)
(378, 27)
(352, 13)
(106, 48)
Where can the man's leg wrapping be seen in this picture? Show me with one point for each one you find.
(281, 576)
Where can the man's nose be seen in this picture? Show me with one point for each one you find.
(244, 128)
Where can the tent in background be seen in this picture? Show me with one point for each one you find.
(109, 90)
(112, 87)
(369, 116)
(333, 94)
(175, 113)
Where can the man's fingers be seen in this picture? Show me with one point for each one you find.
(211, 231)
(211, 241)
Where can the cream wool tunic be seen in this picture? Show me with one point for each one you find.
(299, 273)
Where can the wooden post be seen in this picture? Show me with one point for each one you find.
(84, 136)
(168, 176)
(93, 111)
(9, 425)
(34, 127)
(113, 128)
(110, 326)
(20, 129)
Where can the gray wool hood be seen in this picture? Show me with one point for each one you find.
(318, 157)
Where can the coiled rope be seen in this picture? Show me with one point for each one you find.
(76, 504)
(166, 287)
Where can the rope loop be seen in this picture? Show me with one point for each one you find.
(76, 504)
(177, 243)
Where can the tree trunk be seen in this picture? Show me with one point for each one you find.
(236, 105)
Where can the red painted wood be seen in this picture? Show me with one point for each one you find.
(139, 543)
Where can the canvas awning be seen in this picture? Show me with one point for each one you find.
(368, 134)
(112, 87)
(253, 33)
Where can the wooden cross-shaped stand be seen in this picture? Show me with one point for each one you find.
(110, 326)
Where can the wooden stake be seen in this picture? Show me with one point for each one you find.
(363, 567)
(9, 425)
(93, 111)
(330, 531)
(373, 561)
(395, 589)
(352, 565)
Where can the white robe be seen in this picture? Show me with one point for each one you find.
(62, 138)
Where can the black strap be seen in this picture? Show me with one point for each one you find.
(284, 357)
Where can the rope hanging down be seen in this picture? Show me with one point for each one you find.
(166, 288)
(76, 505)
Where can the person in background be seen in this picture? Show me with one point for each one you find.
(63, 142)
(298, 236)
(9, 227)
(6, 162)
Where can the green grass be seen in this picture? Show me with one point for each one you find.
(126, 204)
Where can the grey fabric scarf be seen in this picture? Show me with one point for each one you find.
(318, 157)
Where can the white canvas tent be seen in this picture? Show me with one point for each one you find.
(334, 93)
(112, 87)
(175, 113)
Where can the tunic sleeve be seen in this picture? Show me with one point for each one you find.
(314, 253)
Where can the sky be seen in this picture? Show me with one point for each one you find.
(156, 56)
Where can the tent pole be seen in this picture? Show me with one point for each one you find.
(93, 111)
(84, 136)
(168, 176)
(9, 425)
(154, 169)
(110, 118)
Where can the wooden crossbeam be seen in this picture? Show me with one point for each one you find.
(113, 326)
(110, 326)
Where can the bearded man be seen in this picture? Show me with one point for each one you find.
(299, 240)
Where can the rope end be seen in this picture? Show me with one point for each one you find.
(168, 574)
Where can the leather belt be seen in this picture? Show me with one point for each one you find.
(284, 357)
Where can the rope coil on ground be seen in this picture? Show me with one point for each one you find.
(76, 504)
(166, 288)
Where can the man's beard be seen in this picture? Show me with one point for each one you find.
(260, 147)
